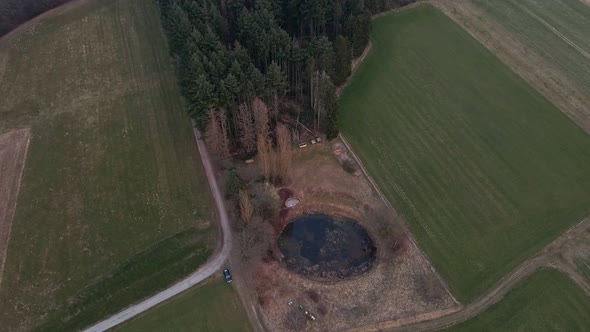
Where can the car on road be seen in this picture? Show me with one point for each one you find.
(227, 276)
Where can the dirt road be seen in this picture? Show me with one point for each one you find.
(205, 271)
(545, 257)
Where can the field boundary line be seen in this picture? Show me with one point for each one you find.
(572, 273)
(541, 259)
(356, 63)
(402, 219)
(9, 218)
(562, 87)
(554, 30)
(529, 266)
(531, 45)
(398, 9)
(406, 320)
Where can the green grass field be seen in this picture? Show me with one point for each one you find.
(485, 170)
(557, 29)
(546, 301)
(213, 307)
(114, 204)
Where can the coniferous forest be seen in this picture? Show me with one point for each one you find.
(247, 65)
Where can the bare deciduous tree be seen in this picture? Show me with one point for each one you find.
(213, 133)
(222, 118)
(216, 133)
(320, 85)
(295, 320)
(273, 163)
(246, 207)
(261, 117)
(284, 156)
(265, 156)
(247, 128)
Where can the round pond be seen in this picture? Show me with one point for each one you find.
(326, 247)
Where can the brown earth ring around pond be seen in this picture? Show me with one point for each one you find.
(327, 248)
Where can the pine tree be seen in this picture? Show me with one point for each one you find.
(331, 102)
(201, 98)
(247, 131)
(276, 84)
(343, 60)
(284, 156)
(224, 142)
(358, 29)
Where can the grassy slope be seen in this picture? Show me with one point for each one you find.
(209, 308)
(114, 203)
(558, 29)
(485, 170)
(547, 301)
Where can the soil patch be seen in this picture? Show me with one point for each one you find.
(326, 248)
(13, 149)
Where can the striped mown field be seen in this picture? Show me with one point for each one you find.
(485, 170)
(113, 204)
(558, 30)
(546, 301)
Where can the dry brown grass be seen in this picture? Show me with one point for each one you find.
(400, 285)
(13, 151)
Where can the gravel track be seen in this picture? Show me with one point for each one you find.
(205, 271)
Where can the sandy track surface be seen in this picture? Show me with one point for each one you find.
(205, 271)
(13, 151)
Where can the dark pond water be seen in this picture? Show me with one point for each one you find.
(322, 246)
